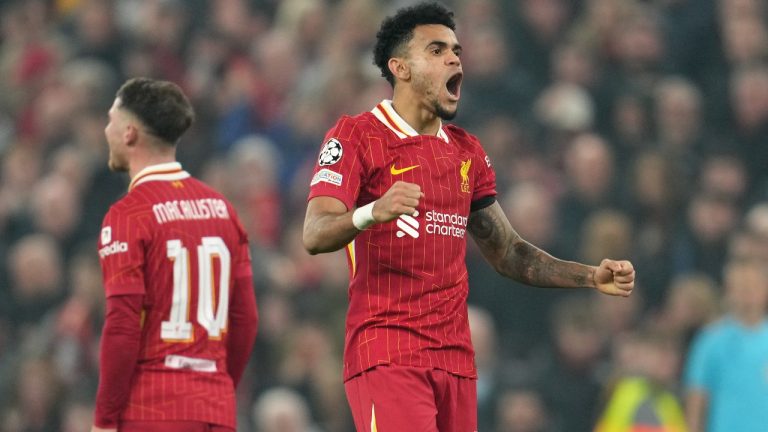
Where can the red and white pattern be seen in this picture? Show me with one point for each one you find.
(408, 278)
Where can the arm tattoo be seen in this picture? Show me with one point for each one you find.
(515, 258)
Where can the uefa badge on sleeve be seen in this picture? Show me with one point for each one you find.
(331, 153)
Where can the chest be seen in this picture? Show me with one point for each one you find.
(445, 172)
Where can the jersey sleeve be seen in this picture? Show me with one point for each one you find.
(699, 373)
(242, 265)
(485, 180)
(122, 246)
(339, 166)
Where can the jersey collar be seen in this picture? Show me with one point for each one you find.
(391, 119)
(165, 172)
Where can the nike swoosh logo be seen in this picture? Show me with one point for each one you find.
(396, 171)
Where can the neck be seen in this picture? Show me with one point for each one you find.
(152, 159)
(411, 108)
(750, 319)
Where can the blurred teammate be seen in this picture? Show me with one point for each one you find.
(399, 190)
(181, 311)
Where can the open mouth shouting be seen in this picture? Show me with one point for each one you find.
(454, 85)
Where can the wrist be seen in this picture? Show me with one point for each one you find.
(362, 217)
(593, 276)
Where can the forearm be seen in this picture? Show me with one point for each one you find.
(328, 232)
(695, 410)
(528, 264)
(120, 341)
(243, 327)
(513, 257)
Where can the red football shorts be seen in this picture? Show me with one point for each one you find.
(170, 426)
(404, 398)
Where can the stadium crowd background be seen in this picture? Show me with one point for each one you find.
(621, 128)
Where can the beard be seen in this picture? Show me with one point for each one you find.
(116, 165)
(443, 113)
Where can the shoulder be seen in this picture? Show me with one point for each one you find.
(352, 128)
(716, 331)
(462, 137)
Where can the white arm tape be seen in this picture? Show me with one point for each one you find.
(362, 218)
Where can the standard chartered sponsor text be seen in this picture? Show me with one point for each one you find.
(446, 224)
(197, 209)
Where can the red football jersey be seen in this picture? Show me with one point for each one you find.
(408, 277)
(179, 243)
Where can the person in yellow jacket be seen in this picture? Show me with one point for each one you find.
(642, 400)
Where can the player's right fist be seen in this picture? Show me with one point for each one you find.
(401, 198)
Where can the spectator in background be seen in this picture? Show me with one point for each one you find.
(643, 397)
(568, 371)
(725, 379)
(522, 410)
(590, 169)
(282, 410)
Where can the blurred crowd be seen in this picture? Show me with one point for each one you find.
(617, 128)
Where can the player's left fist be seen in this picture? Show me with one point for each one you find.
(615, 277)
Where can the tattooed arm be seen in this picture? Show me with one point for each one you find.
(515, 258)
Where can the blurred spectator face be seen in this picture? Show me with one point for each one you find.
(521, 411)
(651, 181)
(639, 42)
(545, 17)
(589, 166)
(607, 233)
(749, 96)
(487, 53)
(656, 356)
(279, 71)
(281, 410)
(77, 418)
(578, 335)
(630, 120)
(711, 218)
(95, 23)
(56, 207)
(531, 210)
(21, 167)
(565, 107)
(574, 65)
(618, 315)
(745, 39)
(678, 106)
(746, 287)
(724, 175)
(691, 302)
(35, 267)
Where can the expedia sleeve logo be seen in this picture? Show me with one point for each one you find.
(113, 247)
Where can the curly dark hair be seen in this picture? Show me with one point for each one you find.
(397, 30)
(160, 105)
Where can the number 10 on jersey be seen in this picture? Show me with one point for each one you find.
(178, 328)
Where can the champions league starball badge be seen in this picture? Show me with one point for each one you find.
(331, 153)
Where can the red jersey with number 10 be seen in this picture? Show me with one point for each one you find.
(178, 243)
(408, 277)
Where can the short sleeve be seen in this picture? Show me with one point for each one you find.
(242, 263)
(121, 248)
(339, 167)
(699, 369)
(485, 180)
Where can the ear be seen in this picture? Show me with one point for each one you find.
(130, 135)
(399, 68)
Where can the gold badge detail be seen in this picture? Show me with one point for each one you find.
(465, 175)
